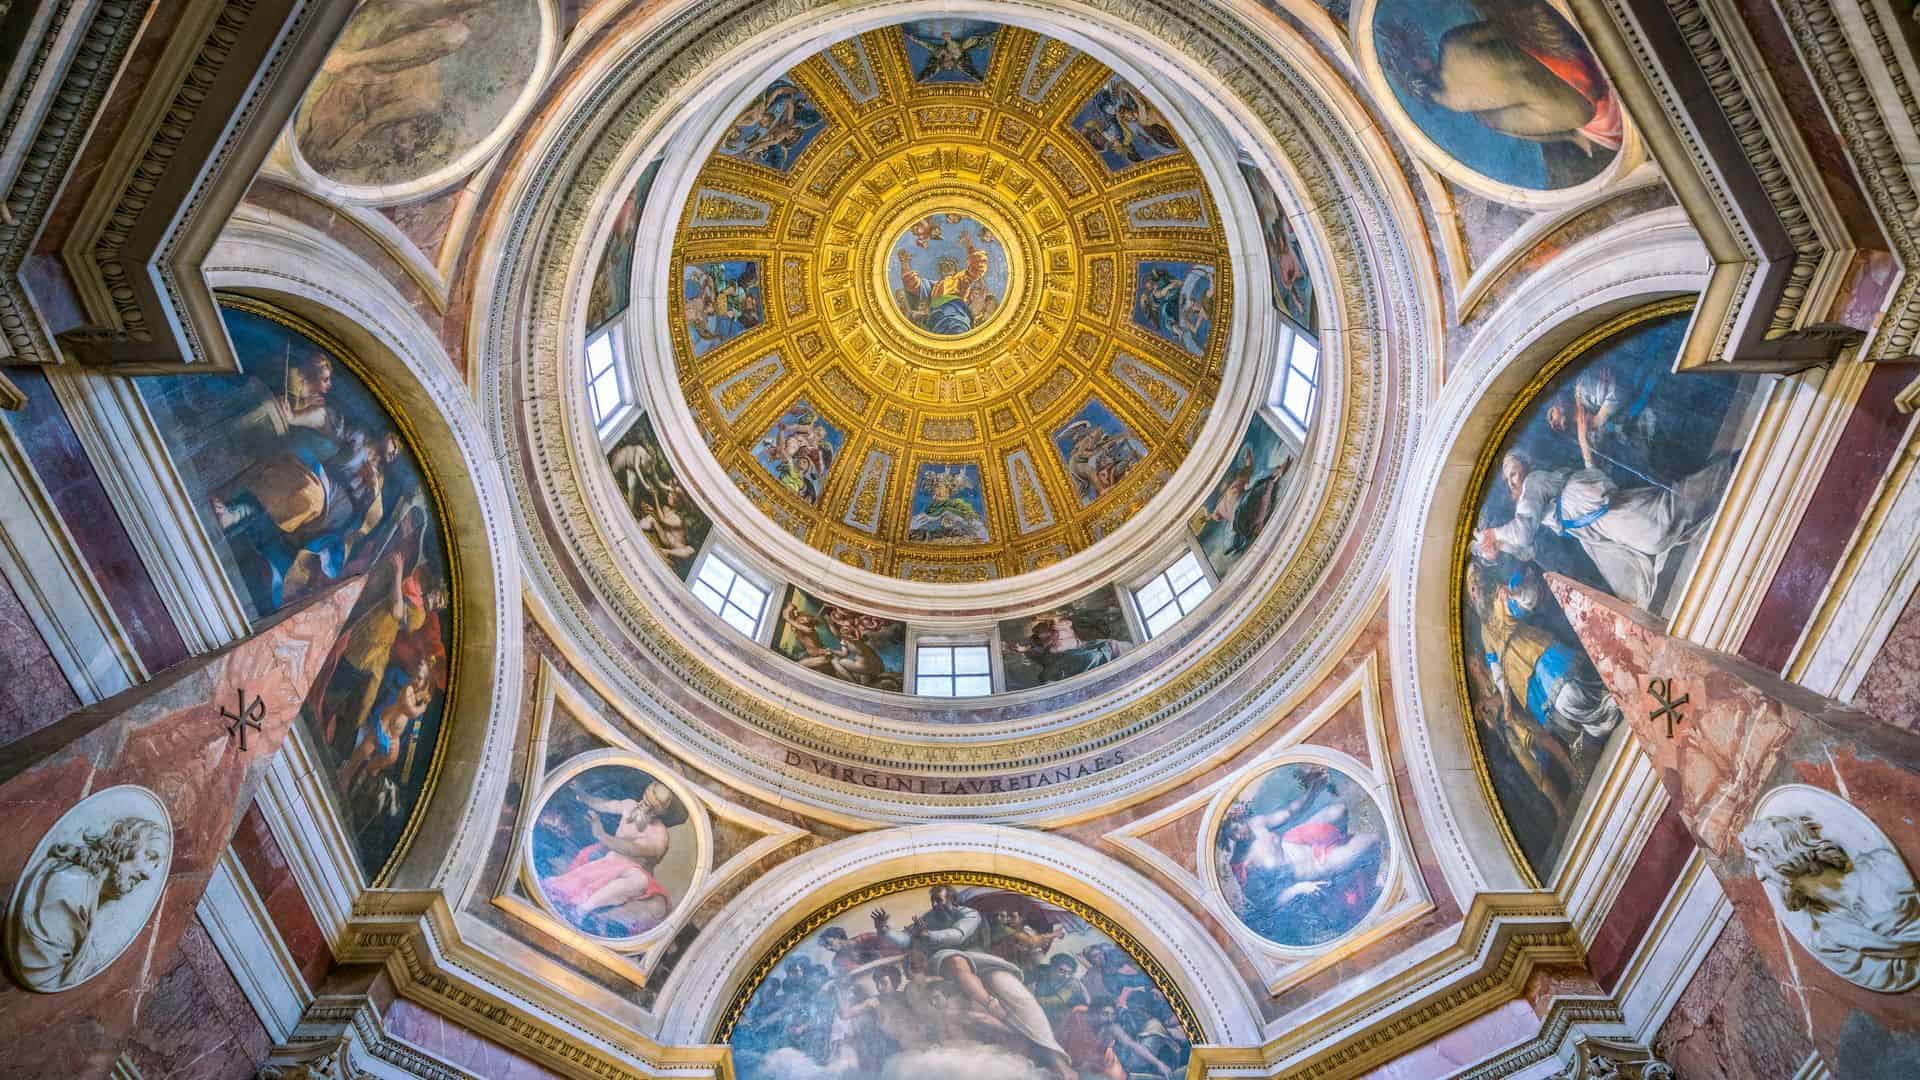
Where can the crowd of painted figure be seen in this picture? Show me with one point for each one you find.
(1620, 508)
(326, 498)
(982, 983)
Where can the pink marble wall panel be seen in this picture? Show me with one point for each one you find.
(1731, 1022)
(67, 474)
(34, 692)
(266, 866)
(1866, 446)
(167, 736)
(457, 1046)
(1891, 690)
(196, 1023)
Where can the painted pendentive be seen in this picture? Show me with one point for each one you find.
(958, 976)
(1302, 854)
(1607, 472)
(413, 93)
(613, 851)
(301, 476)
(1505, 97)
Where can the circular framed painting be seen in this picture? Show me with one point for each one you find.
(1512, 105)
(89, 888)
(416, 93)
(1302, 854)
(616, 847)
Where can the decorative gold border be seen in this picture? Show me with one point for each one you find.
(338, 351)
(1162, 981)
(1463, 540)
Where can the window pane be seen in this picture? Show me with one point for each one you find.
(1162, 619)
(748, 595)
(740, 620)
(1297, 399)
(606, 396)
(1184, 572)
(934, 687)
(1304, 357)
(935, 660)
(1154, 595)
(1191, 596)
(713, 600)
(971, 660)
(599, 355)
(972, 686)
(718, 575)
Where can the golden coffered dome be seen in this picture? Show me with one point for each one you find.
(954, 300)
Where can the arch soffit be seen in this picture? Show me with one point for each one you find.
(715, 966)
(560, 199)
(1629, 265)
(271, 257)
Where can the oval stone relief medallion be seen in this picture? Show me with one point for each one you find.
(1838, 885)
(89, 888)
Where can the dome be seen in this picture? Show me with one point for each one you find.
(954, 299)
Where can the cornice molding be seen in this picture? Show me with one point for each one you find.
(1779, 251)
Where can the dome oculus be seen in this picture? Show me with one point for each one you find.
(952, 308)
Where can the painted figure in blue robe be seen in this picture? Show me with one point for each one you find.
(1547, 677)
(309, 506)
(1123, 126)
(1175, 301)
(945, 303)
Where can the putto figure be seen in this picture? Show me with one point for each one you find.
(67, 921)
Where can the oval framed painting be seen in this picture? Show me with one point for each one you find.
(416, 93)
(956, 973)
(89, 888)
(1302, 853)
(1514, 106)
(616, 847)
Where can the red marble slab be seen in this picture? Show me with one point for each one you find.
(1742, 733)
(166, 735)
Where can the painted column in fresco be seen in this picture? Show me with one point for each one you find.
(116, 816)
(1803, 807)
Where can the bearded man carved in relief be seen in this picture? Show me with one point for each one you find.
(72, 894)
(1858, 911)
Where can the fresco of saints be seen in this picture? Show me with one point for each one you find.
(609, 886)
(1306, 871)
(1055, 645)
(659, 503)
(1628, 532)
(1123, 126)
(952, 981)
(842, 643)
